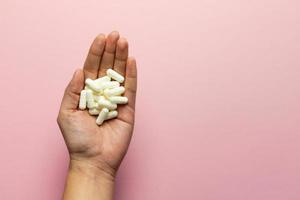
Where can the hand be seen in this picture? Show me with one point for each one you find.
(102, 147)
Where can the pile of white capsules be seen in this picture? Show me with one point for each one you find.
(102, 95)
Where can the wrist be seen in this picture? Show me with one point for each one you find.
(92, 170)
(88, 181)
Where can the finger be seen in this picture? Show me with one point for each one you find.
(72, 92)
(121, 56)
(109, 53)
(92, 62)
(131, 82)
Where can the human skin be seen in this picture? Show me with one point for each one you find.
(96, 152)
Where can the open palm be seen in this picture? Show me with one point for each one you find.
(103, 146)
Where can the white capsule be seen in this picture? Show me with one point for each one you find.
(118, 99)
(115, 75)
(98, 93)
(82, 100)
(102, 116)
(112, 114)
(102, 79)
(91, 84)
(90, 99)
(97, 97)
(114, 92)
(94, 111)
(100, 98)
(108, 85)
(87, 87)
(106, 104)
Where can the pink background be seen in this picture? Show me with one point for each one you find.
(218, 111)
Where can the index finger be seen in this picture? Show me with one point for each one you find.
(92, 62)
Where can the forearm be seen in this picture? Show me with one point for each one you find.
(87, 182)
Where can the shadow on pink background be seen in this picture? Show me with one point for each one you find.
(218, 111)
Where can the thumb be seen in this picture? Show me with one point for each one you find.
(72, 92)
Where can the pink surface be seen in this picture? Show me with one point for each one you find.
(218, 111)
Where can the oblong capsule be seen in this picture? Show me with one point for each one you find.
(90, 99)
(86, 87)
(102, 79)
(94, 111)
(112, 114)
(82, 100)
(91, 84)
(97, 97)
(118, 99)
(114, 91)
(102, 116)
(102, 102)
(115, 75)
(109, 85)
